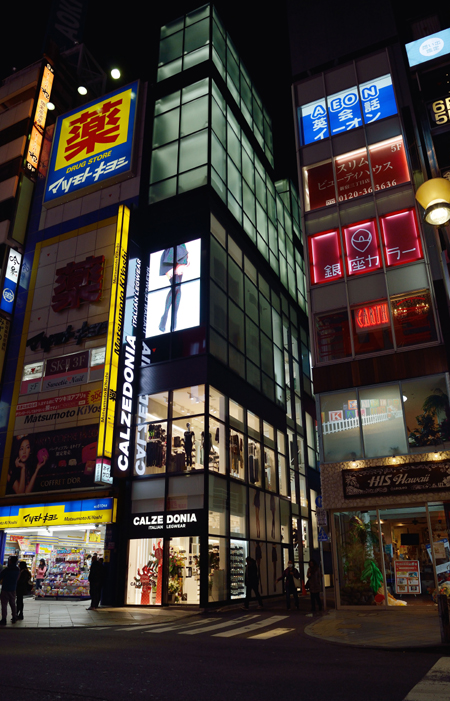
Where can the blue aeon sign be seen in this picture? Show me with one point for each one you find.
(347, 110)
(92, 144)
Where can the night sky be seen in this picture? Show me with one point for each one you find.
(130, 41)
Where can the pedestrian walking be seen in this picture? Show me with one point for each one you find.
(290, 586)
(314, 584)
(40, 574)
(8, 579)
(95, 582)
(252, 583)
(23, 587)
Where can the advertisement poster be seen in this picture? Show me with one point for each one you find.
(69, 407)
(174, 289)
(407, 577)
(42, 462)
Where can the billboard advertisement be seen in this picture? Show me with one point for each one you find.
(44, 462)
(433, 46)
(174, 289)
(92, 146)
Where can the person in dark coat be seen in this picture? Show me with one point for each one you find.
(22, 587)
(252, 582)
(290, 586)
(95, 582)
(8, 579)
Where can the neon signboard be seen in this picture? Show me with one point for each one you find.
(40, 116)
(372, 317)
(325, 257)
(347, 110)
(401, 238)
(11, 279)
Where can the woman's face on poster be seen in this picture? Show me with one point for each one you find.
(24, 450)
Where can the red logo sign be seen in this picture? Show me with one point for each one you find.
(372, 317)
(361, 246)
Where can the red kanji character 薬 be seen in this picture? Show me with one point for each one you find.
(78, 282)
(92, 128)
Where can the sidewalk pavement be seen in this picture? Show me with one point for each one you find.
(74, 614)
(415, 627)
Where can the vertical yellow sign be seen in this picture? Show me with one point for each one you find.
(114, 337)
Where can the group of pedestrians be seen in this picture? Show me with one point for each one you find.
(15, 581)
(289, 577)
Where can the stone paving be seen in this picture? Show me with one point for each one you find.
(72, 614)
(397, 628)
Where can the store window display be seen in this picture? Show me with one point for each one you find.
(236, 454)
(238, 553)
(269, 469)
(258, 551)
(254, 462)
(216, 446)
(217, 580)
(257, 514)
(145, 572)
(184, 570)
(187, 452)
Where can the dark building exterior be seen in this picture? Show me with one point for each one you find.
(371, 127)
(163, 400)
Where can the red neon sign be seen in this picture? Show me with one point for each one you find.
(375, 316)
(325, 257)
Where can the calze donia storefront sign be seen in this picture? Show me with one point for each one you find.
(166, 524)
(388, 481)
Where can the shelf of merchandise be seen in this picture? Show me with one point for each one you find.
(67, 576)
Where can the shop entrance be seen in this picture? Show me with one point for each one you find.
(183, 584)
(164, 570)
(393, 556)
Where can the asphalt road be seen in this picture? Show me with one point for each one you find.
(194, 661)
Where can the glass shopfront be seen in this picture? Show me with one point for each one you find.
(396, 556)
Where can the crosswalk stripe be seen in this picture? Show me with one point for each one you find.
(253, 626)
(435, 686)
(271, 633)
(177, 626)
(224, 624)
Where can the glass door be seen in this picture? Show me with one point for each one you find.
(184, 571)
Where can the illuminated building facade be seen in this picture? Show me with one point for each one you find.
(378, 295)
(163, 373)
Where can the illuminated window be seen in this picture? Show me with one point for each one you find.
(401, 238)
(325, 257)
(413, 318)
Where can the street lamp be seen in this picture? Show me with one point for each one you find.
(434, 196)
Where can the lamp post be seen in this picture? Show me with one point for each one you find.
(434, 196)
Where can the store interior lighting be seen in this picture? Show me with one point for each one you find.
(434, 196)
